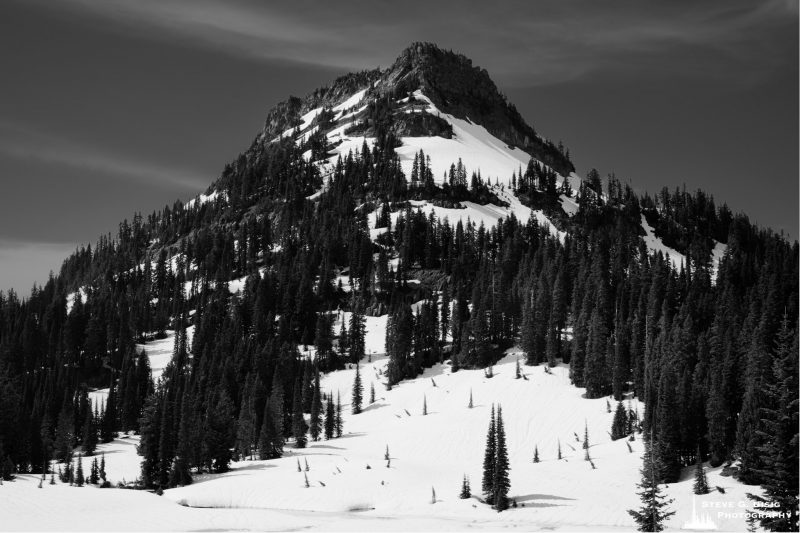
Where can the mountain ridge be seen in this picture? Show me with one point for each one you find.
(452, 83)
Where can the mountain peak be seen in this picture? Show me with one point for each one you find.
(448, 79)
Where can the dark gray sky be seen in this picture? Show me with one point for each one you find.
(109, 107)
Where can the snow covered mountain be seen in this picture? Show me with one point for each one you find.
(406, 224)
(437, 102)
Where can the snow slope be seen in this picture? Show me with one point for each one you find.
(655, 244)
(428, 453)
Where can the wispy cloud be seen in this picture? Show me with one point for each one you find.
(532, 42)
(19, 141)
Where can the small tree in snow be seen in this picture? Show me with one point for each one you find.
(652, 513)
(586, 436)
(358, 391)
(700, 481)
(465, 490)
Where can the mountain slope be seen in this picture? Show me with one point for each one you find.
(399, 213)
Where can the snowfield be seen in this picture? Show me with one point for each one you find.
(352, 486)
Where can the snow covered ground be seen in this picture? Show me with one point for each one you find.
(353, 488)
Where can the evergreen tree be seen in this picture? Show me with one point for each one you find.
(371, 392)
(218, 434)
(358, 390)
(501, 483)
(465, 490)
(270, 439)
(357, 331)
(585, 444)
(619, 427)
(298, 421)
(338, 424)
(79, 478)
(653, 512)
(94, 472)
(536, 453)
(489, 458)
(330, 418)
(108, 426)
(63, 444)
(315, 421)
(89, 434)
(700, 483)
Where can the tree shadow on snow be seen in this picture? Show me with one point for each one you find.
(351, 435)
(321, 446)
(377, 405)
(240, 471)
(529, 497)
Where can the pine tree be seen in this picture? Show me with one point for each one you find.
(700, 482)
(465, 491)
(619, 427)
(94, 472)
(559, 449)
(356, 337)
(108, 426)
(489, 457)
(315, 421)
(358, 390)
(371, 392)
(79, 479)
(64, 435)
(89, 434)
(102, 472)
(270, 438)
(585, 435)
(501, 483)
(470, 399)
(652, 513)
(536, 453)
(517, 371)
(424, 405)
(298, 421)
(330, 419)
(338, 424)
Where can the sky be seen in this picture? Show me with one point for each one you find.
(110, 107)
